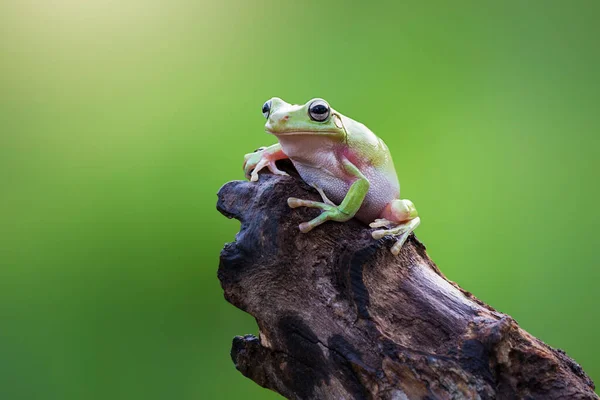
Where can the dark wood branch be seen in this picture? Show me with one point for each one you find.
(340, 317)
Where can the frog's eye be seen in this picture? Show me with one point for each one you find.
(266, 110)
(319, 110)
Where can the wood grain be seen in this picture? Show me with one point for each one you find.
(340, 317)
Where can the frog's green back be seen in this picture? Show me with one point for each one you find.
(370, 147)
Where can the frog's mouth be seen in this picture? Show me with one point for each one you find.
(303, 133)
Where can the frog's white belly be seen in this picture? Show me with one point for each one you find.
(335, 188)
(381, 190)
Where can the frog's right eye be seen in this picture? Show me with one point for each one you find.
(266, 109)
(319, 110)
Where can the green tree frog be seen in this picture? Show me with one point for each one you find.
(348, 165)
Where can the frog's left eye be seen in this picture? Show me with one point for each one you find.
(319, 110)
(266, 109)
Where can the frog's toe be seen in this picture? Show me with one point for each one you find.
(261, 164)
(330, 212)
(251, 162)
(273, 168)
(252, 169)
(308, 226)
(400, 232)
(295, 203)
(324, 196)
(398, 245)
(248, 167)
(254, 176)
(378, 223)
(378, 234)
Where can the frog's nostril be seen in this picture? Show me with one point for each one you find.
(285, 118)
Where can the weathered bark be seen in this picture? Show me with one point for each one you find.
(340, 317)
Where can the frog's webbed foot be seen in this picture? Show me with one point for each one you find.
(401, 218)
(270, 165)
(330, 212)
(398, 230)
(261, 158)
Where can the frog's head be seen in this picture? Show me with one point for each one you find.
(313, 118)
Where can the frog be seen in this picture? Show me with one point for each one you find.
(344, 161)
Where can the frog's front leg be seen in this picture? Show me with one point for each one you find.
(263, 157)
(402, 218)
(330, 212)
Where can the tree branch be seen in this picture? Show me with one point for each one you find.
(340, 317)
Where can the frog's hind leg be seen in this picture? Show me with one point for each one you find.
(329, 211)
(402, 218)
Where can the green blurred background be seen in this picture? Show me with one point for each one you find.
(120, 120)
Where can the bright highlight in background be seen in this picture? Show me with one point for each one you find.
(119, 121)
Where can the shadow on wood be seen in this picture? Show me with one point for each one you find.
(340, 317)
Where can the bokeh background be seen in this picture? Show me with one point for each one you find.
(120, 120)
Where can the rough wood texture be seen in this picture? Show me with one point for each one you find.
(341, 318)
